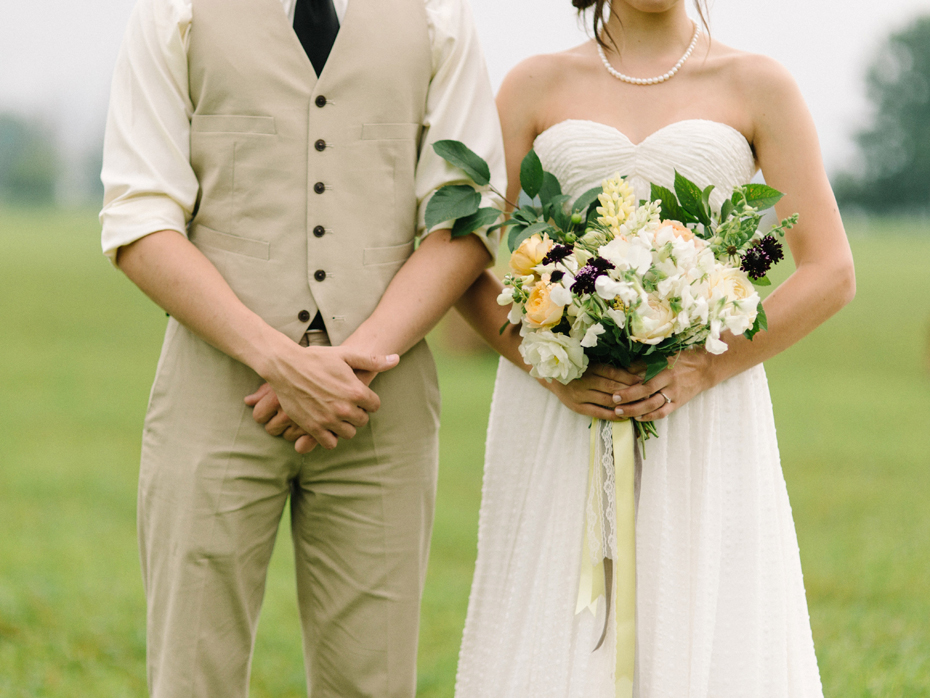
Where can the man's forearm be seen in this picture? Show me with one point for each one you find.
(179, 278)
(424, 289)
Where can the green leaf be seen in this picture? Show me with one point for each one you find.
(550, 188)
(451, 202)
(761, 323)
(705, 198)
(505, 224)
(670, 208)
(518, 235)
(764, 281)
(726, 210)
(531, 174)
(460, 155)
(479, 219)
(761, 196)
(503, 327)
(655, 364)
(586, 199)
(690, 198)
(527, 214)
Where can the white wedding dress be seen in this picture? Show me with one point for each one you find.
(721, 609)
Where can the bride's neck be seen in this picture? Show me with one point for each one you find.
(643, 36)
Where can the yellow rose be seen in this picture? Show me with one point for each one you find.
(530, 253)
(541, 311)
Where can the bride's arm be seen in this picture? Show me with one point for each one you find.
(788, 152)
(519, 105)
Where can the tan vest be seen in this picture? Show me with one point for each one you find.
(307, 197)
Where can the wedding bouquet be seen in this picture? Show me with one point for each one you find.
(616, 281)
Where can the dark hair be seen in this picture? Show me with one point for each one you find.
(598, 21)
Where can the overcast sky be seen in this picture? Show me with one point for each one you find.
(56, 55)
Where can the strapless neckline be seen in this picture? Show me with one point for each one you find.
(581, 153)
(655, 134)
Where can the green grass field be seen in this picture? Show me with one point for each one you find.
(78, 346)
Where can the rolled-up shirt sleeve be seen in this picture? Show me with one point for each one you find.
(149, 184)
(460, 106)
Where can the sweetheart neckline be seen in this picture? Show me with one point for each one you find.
(654, 133)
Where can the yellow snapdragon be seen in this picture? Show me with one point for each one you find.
(617, 202)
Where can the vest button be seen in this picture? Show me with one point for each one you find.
(304, 316)
(321, 101)
(319, 187)
(319, 275)
(320, 145)
(319, 231)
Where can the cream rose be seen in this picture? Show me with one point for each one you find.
(530, 253)
(729, 283)
(553, 355)
(652, 321)
(541, 310)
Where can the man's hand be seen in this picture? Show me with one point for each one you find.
(267, 410)
(315, 391)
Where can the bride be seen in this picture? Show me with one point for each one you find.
(720, 603)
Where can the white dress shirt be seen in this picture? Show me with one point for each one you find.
(149, 184)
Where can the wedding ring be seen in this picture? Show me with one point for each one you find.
(667, 400)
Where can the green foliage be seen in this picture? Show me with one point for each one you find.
(463, 157)
(29, 164)
(894, 168)
(450, 203)
(479, 219)
(531, 174)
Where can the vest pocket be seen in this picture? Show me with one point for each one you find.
(233, 123)
(395, 254)
(202, 235)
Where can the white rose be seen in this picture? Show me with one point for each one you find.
(652, 321)
(553, 356)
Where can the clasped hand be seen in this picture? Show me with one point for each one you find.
(610, 393)
(318, 395)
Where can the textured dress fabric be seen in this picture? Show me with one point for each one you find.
(721, 608)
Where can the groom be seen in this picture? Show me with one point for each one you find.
(270, 206)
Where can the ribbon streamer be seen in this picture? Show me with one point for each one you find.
(614, 577)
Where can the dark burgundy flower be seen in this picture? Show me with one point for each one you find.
(759, 258)
(584, 279)
(556, 276)
(772, 248)
(557, 254)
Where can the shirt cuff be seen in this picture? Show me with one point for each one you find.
(124, 222)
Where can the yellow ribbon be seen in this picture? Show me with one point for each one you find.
(592, 578)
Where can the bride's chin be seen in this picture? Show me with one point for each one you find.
(651, 6)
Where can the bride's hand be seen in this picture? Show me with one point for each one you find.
(687, 376)
(593, 394)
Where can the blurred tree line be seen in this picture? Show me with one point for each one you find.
(893, 174)
(29, 161)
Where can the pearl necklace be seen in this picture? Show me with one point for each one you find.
(650, 81)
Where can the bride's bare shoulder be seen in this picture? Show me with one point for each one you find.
(549, 71)
(752, 74)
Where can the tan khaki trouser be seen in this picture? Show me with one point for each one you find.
(212, 490)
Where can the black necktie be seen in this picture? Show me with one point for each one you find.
(316, 24)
